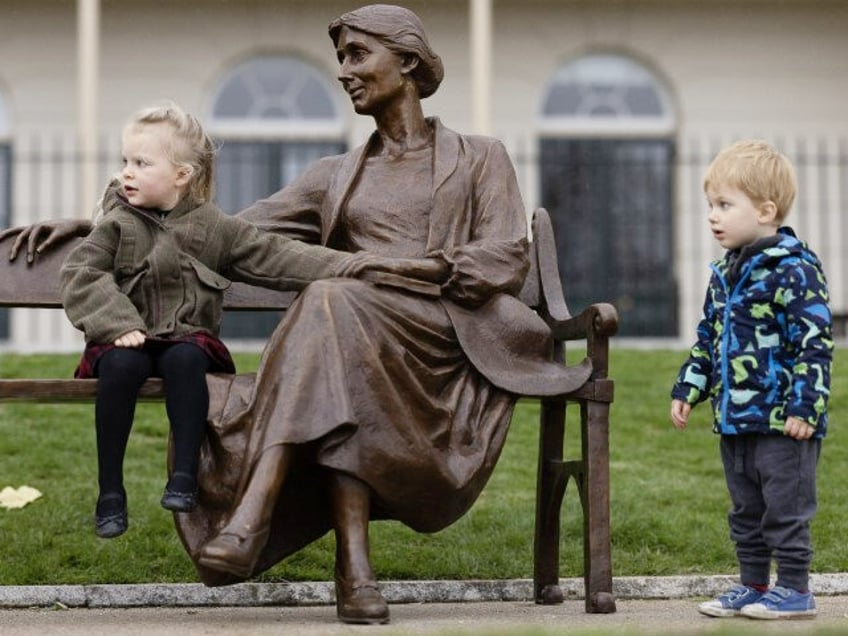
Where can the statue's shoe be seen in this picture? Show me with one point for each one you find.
(360, 603)
(234, 553)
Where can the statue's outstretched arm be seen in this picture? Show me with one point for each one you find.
(44, 235)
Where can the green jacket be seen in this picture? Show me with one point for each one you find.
(165, 274)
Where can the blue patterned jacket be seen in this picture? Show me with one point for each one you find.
(764, 345)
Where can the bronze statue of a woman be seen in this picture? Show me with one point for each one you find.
(381, 398)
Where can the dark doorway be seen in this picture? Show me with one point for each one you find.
(610, 202)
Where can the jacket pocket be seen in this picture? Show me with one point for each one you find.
(207, 310)
(209, 277)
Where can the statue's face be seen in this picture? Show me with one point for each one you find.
(372, 75)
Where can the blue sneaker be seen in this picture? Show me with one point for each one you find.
(782, 602)
(730, 603)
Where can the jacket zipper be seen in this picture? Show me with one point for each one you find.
(730, 295)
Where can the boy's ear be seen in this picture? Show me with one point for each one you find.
(768, 213)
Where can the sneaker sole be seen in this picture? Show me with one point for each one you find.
(718, 612)
(776, 615)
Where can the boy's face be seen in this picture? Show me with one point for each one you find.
(149, 178)
(735, 220)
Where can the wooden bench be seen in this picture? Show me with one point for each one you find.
(37, 285)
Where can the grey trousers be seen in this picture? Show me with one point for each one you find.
(772, 484)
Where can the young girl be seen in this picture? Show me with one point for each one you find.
(146, 288)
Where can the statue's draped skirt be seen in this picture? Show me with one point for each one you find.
(363, 380)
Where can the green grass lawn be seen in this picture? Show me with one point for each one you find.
(669, 501)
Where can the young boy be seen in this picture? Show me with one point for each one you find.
(763, 356)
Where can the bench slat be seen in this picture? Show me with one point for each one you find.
(70, 390)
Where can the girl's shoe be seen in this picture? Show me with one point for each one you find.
(114, 520)
(177, 499)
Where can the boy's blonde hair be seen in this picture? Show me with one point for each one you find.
(756, 168)
(189, 145)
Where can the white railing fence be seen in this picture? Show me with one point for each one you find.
(45, 167)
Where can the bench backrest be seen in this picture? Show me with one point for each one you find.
(37, 284)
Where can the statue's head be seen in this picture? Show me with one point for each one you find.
(400, 30)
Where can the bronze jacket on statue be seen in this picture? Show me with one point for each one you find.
(165, 274)
(478, 223)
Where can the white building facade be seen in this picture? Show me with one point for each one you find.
(610, 109)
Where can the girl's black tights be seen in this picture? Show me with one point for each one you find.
(121, 372)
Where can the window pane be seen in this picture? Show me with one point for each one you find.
(562, 100)
(233, 100)
(643, 101)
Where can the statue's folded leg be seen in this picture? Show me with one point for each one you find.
(236, 548)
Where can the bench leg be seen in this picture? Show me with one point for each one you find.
(550, 490)
(595, 488)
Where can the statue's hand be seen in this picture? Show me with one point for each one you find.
(433, 270)
(41, 236)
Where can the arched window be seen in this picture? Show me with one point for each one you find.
(606, 93)
(607, 154)
(277, 95)
(273, 115)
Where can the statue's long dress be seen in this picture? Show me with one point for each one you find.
(363, 379)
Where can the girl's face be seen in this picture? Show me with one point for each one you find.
(149, 178)
(372, 75)
(735, 220)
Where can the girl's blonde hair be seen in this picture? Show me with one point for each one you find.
(756, 168)
(189, 145)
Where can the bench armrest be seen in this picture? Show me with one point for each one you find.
(596, 321)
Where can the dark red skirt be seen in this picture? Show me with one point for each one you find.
(219, 355)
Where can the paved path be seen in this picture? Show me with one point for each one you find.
(642, 617)
(649, 606)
